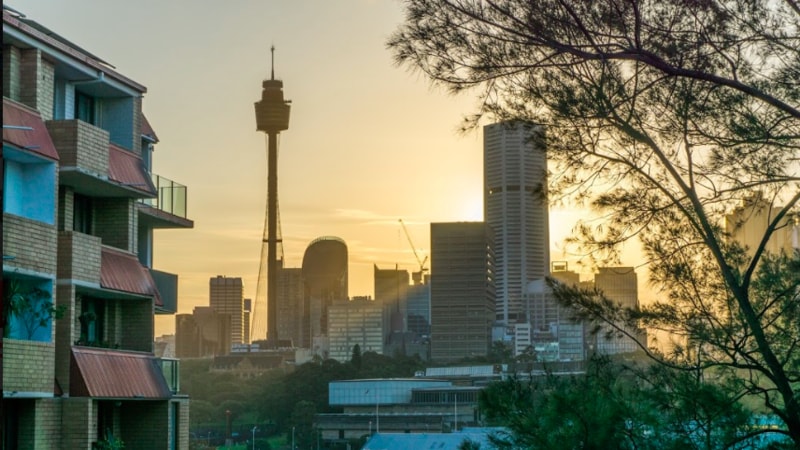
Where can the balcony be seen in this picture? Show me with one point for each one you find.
(168, 208)
(28, 244)
(171, 369)
(79, 257)
(92, 165)
(167, 286)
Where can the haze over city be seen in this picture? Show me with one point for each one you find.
(368, 143)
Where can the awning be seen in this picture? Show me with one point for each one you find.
(26, 129)
(101, 373)
(147, 130)
(121, 271)
(128, 169)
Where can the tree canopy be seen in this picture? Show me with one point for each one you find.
(665, 117)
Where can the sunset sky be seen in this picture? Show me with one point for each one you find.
(368, 142)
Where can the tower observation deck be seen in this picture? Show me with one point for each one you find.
(272, 117)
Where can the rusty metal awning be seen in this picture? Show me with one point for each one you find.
(121, 271)
(147, 130)
(128, 169)
(115, 374)
(23, 127)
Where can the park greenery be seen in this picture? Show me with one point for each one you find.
(279, 400)
(663, 117)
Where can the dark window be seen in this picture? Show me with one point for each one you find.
(84, 107)
(92, 318)
(82, 214)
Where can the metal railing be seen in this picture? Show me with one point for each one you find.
(170, 367)
(171, 197)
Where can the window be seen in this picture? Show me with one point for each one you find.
(31, 309)
(82, 219)
(92, 318)
(29, 186)
(84, 108)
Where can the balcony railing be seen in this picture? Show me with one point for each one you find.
(171, 368)
(171, 196)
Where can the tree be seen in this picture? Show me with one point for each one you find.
(615, 406)
(355, 359)
(662, 116)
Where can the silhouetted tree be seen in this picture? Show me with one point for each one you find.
(355, 359)
(663, 116)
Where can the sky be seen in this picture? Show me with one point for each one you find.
(368, 142)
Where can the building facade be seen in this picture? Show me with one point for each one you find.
(620, 285)
(81, 204)
(515, 207)
(462, 290)
(324, 282)
(203, 333)
(391, 291)
(290, 305)
(355, 322)
(226, 296)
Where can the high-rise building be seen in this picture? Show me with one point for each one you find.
(620, 285)
(462, 290)
(226, 296)
(325, 281)
(515, 207)
(203, 333)
(391, 291)
(748, 223)
(81, 204)
(355, 322)
(290, 305)
(418, 307)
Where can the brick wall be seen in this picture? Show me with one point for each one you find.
(78, 257)
(137, 325)
(11, 80)
(67, 332)
(115, 222)
(31, 243)
(79, 423)
(183, 423)
(80, 144)
(28, 366)
(37, 82)
(48, 423)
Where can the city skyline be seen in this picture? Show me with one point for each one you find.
(363, 131)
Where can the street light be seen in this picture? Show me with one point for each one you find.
(292, 438)
(254, 436)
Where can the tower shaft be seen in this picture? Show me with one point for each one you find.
(272, 117)
(272, 238)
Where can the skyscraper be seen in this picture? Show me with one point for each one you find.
(391, 291)
(226, 297)
(325, 281)
(515, 207)
(290, 305)
(462, 290)
(620, 285)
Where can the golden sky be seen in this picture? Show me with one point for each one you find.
(368, 143)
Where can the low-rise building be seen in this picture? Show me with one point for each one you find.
(81, 203)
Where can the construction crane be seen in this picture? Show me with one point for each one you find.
(417, 277)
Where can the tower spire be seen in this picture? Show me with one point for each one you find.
(272, 49)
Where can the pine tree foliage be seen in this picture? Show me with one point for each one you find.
(664, 116)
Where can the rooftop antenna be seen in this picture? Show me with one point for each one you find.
(272, 49)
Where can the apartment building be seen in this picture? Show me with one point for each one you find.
(80, 205)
